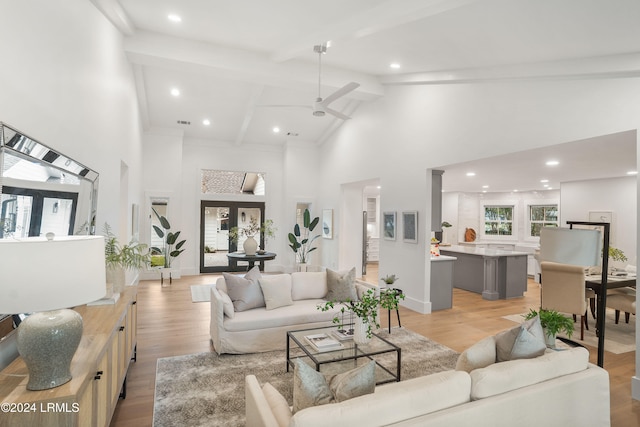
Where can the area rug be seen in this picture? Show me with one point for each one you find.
(620, 338)
(205, 389)
(201, 293)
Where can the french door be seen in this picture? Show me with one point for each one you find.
(217, 218)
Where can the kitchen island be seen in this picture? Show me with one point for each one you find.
(494, 273)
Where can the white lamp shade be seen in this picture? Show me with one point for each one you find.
(570, 246)
(42, 275)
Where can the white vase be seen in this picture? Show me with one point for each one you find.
(360, 332)
(250, 246)
(550, 340)
(115, 277)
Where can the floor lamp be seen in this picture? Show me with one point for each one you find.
(44, 277)
(583, 247)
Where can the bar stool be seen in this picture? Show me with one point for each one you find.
(397, 291)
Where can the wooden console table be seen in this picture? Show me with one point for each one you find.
(99, 370)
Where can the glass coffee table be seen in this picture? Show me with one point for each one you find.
(387, 356)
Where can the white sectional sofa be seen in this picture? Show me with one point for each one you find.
(558, 388)
(261, 329)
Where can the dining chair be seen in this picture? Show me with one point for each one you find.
(625, 302)
(564, 290)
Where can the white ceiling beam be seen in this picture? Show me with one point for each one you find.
(146, 48)
(248, 115)
(337, 123)
(390, 14)
(141, 90)
(112, 10)
(612, 66)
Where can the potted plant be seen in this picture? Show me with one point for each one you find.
(552, 322)
(250, 245)
(118, 258)
(171, 246)
(365, 310)
(389, 279)
(300, 240)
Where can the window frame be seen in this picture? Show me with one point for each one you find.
(506, 203)
(527, 216)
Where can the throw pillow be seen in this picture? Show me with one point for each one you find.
(341, 285)
(276, 290)
(311, 388)
(245, 292)
(479, 355)
(227, 304)
(522, 342)
(278, 404)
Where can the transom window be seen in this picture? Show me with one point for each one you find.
(542, 216)
(498, 220)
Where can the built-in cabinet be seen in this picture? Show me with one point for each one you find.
(99, 370)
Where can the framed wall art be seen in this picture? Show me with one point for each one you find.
(410, 226)
(327, 223)
(389, 225)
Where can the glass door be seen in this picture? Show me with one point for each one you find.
(217, 218)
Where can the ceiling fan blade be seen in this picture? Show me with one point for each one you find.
(338, 114)
(340, 92)
(285, 106)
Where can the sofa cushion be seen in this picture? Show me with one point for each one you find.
(278, 404)
(299, 313)
(479, 355)
(506, 376)
(341, 285)
(308, 285)
(311, 388)
(391, 403)
(245, 291)
(276, 290)
(521, 342)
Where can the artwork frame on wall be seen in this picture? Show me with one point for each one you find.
(327, 223)
(389, 225)
(410, 226)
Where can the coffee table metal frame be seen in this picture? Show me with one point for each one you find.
(351, 351)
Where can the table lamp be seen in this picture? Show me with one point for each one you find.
(46, 276)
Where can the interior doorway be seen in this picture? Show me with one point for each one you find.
(217, 218)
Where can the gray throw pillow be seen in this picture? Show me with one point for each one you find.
(245, 292)
(341, 286)
(525, 341)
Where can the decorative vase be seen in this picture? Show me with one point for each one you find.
(115, 277)
(360, 332)
(550, 340)
(301, 266)
(250, 246)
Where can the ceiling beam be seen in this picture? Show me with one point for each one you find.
(390, 14)
(249, 110)
(153, 49)
(112, 10)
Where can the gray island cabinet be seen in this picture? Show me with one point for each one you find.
(494, 273)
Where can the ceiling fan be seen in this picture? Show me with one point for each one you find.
(321, 105)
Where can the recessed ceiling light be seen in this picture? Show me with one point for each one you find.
(544, 180)
(174, 18)
(276, 129)
(379, 187)
(485, 186)
(632, 173)
(471, 174)
(552, 163)
(394, 65)
(515, 191)
(206, 122)
(175, 92)
(546, 185)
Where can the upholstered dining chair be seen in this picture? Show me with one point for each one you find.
(563, 290)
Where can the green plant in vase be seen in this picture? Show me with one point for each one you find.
(300, 240)
(552, 322)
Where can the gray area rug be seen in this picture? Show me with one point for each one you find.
(205, 389)
(201, 293)
(620, 338)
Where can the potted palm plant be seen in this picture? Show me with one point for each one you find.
(552, 322)
(118, 258)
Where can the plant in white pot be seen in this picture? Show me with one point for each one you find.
(552, 322)
(300, 240)
(118, 258)
(250, 245)
(365, 310)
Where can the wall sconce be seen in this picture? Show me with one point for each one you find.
(243, 216)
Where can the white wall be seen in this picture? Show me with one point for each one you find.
(616, 195)
(66, 82)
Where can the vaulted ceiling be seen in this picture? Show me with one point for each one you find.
(233, 60)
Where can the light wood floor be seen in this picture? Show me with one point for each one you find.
(169, 324)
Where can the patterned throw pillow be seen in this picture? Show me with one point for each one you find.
(341, 285)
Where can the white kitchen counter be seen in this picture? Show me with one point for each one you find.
(472, 250)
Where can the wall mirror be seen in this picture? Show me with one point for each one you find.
(43, 190)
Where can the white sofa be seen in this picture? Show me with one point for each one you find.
(559, 388)
(258, 329)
